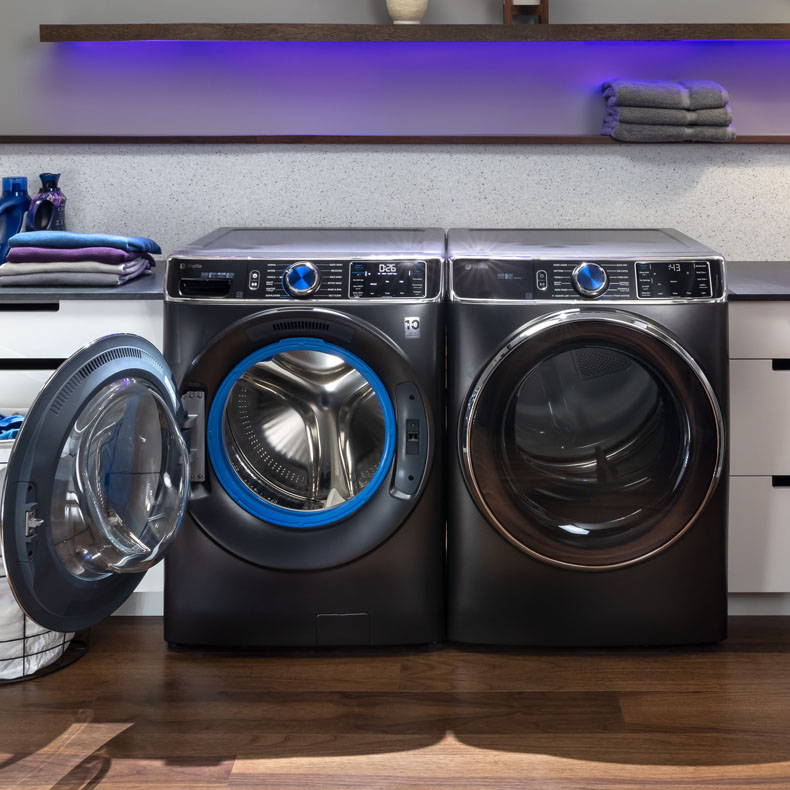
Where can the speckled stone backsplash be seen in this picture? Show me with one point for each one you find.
(735, 198)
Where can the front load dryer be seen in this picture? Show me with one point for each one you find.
(587, 407)
(284, 454)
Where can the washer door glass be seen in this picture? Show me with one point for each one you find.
(307, 433)
(121, 483)
(594, 444)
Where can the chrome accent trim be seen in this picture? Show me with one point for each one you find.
(591, 292)
(537, 327)
(297, 292)
(295, 302)
(453, 297)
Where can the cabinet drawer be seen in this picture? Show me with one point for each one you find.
(759, 418)
(759, 536)
(759, 330)
(59, 333)
(20, 387)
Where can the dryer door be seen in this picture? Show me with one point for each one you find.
(96, 486)
(592, 440)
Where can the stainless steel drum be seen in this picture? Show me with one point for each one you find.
(304, 430)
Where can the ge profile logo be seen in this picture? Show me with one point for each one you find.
(411, 327)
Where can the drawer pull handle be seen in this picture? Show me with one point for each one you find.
(780, 364)
(780, 481)
(29, 307)
(41, 363)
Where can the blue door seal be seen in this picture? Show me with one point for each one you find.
(251, 502)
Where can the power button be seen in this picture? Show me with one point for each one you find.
(542, 279)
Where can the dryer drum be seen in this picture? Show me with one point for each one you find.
(592, 440)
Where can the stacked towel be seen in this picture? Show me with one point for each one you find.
(667, 112)
(58, 258)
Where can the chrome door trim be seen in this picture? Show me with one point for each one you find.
(537, 327)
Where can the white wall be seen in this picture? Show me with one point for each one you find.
(150, 88)
(734, 198)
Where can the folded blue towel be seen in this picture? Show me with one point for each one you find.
(61, 239)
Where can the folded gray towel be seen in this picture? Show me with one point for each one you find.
(132, 269)
(687, 95)
(647, 133)
(657, 115)
(67, 279)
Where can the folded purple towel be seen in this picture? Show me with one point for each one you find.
(56, 255)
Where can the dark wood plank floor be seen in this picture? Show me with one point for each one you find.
(133, 716)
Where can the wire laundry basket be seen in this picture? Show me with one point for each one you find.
(27, 650)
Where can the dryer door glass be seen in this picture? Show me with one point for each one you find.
(594, 444)
(307, 433)
(96, 486)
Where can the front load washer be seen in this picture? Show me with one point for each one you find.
(587, 406)
(294, 427)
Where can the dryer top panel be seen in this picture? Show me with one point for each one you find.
(575, 243)
(317, 243)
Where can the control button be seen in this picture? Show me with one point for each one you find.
(542, 280)
(255, 280)
(590, 279)
(301, 279)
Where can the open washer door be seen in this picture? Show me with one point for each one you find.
(97, 484)
(592, 440)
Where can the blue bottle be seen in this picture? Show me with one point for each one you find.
(14, 204)
(48, 210)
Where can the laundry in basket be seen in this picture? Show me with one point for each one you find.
(25, 647)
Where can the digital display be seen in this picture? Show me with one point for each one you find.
(492, 279)
(388, 279)
(673, 280)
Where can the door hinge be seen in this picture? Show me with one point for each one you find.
(194, 404)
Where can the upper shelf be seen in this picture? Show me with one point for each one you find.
(205, 31)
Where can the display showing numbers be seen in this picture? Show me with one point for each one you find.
(388, 268)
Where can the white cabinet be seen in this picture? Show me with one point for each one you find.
(35, 338)
(759, 523)
(759, 556)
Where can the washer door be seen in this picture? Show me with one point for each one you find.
(96, 486)
(592, 440)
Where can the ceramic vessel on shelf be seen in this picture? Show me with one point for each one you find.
(407, 12)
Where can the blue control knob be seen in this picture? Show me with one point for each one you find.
(590, 279)
(301, 279)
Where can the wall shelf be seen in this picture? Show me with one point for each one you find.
(186, 31)
(317, 139)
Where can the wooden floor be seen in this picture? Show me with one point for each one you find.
(132, 715)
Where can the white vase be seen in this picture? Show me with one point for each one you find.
(407, 12)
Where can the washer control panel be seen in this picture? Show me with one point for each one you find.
(304, 279)
(587, 280)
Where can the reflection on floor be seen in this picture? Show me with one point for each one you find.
(132, 715)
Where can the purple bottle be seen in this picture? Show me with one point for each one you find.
(48, 209)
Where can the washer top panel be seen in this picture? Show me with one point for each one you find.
(254, 264)
(311, 243)
(579, 243)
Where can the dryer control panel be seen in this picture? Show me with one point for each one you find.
(587, 280)
(304, 280)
